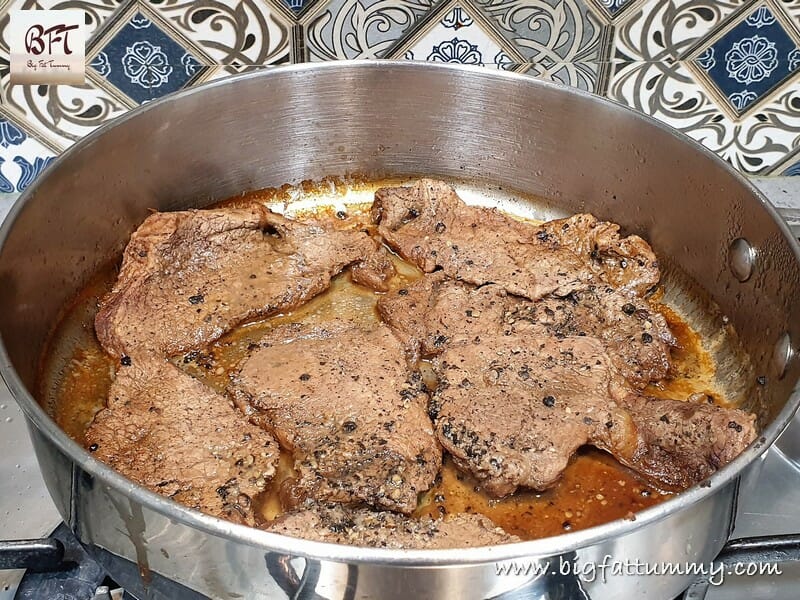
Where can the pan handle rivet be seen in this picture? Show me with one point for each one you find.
(741, 257)
(782, 354)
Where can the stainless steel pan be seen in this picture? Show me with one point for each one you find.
(382, 119)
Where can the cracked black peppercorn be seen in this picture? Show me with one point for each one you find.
(734, 425)
(125, 361)
(549, 401)
(305, 377)
(349, 426)
(646, 338)
(93, 448)
(340, 214)
(198, 299)
(628, 308)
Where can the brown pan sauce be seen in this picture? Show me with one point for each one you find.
(593, 490)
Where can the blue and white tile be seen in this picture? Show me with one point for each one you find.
(140, 60)
(651, 73)
(234, 33)
(559, 38)
(792, 170)
(97, 12)
(351, 29)
(22, 157)
(663, 30)
(752, 58)
(298, 7)
(612, 9)
(460, 36)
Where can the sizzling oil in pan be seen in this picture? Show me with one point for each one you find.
(594, 489)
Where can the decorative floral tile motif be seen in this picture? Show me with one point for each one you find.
(751, 59)
(359, 28)
(22, 157)
(650, 75)
(560, 38)
(612, 9)
(144, 62)
(460, 35)
(61, 114)
(663, 30)
(232, 32)
(298, 7)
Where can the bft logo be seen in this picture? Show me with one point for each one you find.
(38, 38)
(47, 46)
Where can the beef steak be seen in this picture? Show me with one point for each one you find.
(188, 277)
(170, 433)
(684, 442)
(381, 529)
(341, 400)
(430, 226)
(627, 263)
(513, 409)
(435, 312)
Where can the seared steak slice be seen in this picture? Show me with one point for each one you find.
(435, 312)
(375, 271)
(637, 337)
(684, 442)
(626, 263)
(187, 277)
(170, 433)
(430, 226)
(513, 409)
(363, 527)
(341, 400)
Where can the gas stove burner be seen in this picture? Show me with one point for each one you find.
(79, 578)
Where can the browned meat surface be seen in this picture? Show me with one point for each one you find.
(637, 337)
(430, 226)
(435, 312)
(626, 263)
(513, 409)
(341, 400)
(362, 527)
(172, 434)
(685, 442)
(188, 277)
(375, 271)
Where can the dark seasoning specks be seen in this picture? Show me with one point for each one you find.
(594, 488)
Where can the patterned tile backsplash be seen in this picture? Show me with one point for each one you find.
(726, 72)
